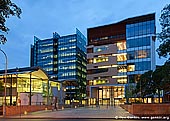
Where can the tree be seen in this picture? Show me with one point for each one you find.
(129, 91)
(145, 86)
(158, 76)
(161, 77)
(7, 9)
(164, 35)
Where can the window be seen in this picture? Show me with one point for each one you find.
(138, 42)
(142, 28)
(101, 59)
(131, 55)
(122, 80)
(99, 49)
(131, 67)
(142, 54)
(90, 61)
(121, 45)
(122, 70)
(95, 71)
(138, 54)
(121, 57)
(141, 66)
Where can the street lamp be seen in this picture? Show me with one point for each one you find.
(6, 63)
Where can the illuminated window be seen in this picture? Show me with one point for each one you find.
(98, 60)
(55, 69)
(121, 45)
(142, 54)
(131, 68)
(72, 47)
(90, 61)
(99, 49)
(72, 40)
(90, 82)
(47, 50)
(122, 70)
(101, 81)
(121, 57)
(122, 80)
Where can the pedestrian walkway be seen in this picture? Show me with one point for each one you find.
(82, 112)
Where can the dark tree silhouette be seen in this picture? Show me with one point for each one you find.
(164, 35)
(7, 9)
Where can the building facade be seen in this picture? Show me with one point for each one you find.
(64, 59)
(117, 54)
(28, 84)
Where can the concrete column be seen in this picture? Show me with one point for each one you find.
(61, 93)
(30, 90)
(48, 92)
(10, 92)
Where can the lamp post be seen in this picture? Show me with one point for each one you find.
(6, 63)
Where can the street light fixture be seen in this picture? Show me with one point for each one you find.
(6, 63)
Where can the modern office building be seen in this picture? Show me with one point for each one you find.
(117, 54)
(64, 59)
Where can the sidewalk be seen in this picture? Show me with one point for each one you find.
(102, 112)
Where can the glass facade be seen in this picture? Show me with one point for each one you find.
(67, 57)
(45, 54)
(140, 28)
(64, 59)
(139, 48)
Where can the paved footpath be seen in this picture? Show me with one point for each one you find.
(83, 112)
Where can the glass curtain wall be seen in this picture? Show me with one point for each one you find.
(139, 38)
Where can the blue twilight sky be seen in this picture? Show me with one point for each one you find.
(43, 17)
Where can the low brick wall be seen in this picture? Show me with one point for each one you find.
(148, 109)
(16, 110)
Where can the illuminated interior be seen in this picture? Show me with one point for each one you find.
(122, 80)
(19, 83)
(96, 82)
(101, 48)
(90, 61)
(121, 45)
(122, 68)
(131, 68)
(121, 57)
(141, 54)
(101, 59)
(108, 94)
